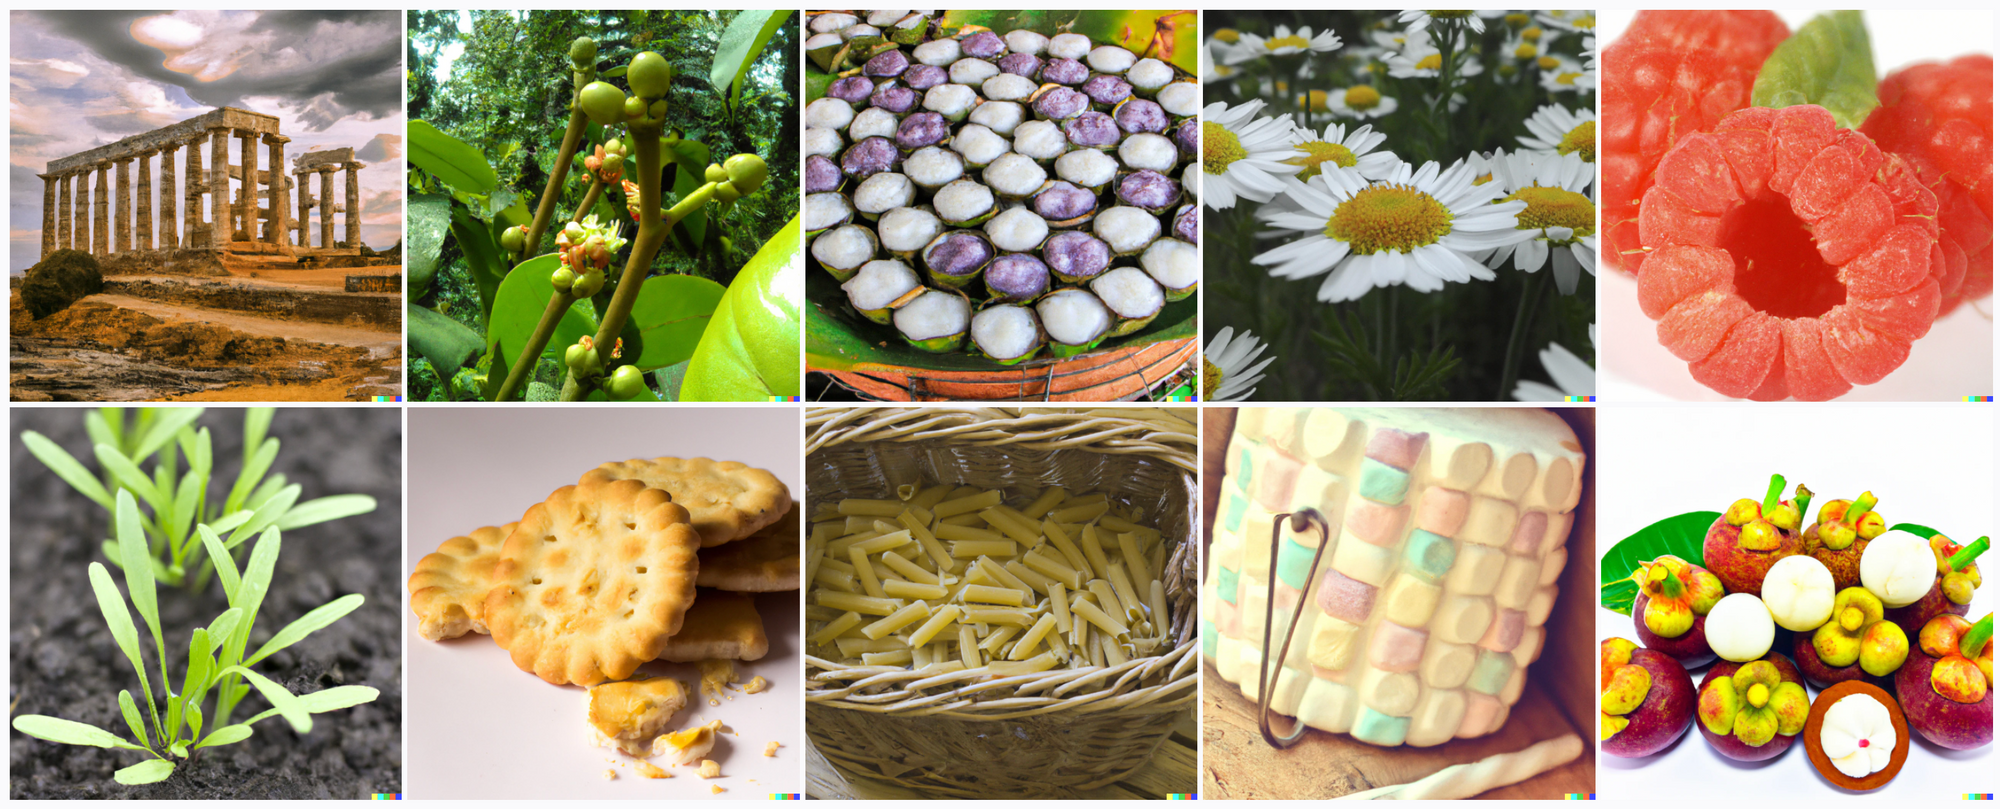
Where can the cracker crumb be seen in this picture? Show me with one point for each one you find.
(758, 685)
(771, 749)
(710, 769)
(610, 774)
(715, 790)
(650, 771)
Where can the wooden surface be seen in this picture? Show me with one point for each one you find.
(1172, 770)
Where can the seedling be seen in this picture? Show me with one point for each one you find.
(216, 657)
(178, 500)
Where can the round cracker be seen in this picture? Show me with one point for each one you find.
(766, 562)
(448, 588)
(593, 581)
(726, 500)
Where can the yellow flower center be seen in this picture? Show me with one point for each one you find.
(1555, 207)
(1517, 20)
(1283, 87)
(1548, 63)
(1228, 35)
(1431, 62)
(1585, 22)
(1532, 34)
(1318, 152)
(1568, 79)
(1219, 148)
(1314, 100)
(1211, 379)
(1581, 141)
(1483, 179)
(1362, 97)
(1225, 71)
(1293, 41)
(1391, 217)
(1526, 51)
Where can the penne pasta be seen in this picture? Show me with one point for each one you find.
(911, 614)
(1055, 569)
(1047, 502)
(992, 595)
(973, 548)
(1032, 638)
(909, 569)
(1097, 617)
(1128, 598)
(967, 520)
(835, 628)
(997, 617)
(1093, 549)
(1156, 600)
(1059, 607)
(866, 605)
(898, 588)
(870, 508)
(963, 505)
(930, 497)
(961, 532)
(899, 658)
(1081, 513)
(1060, 538)
(865, 571)
(942, 617)
(968, 647)
(1010, 668)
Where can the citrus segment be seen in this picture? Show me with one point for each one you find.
(1677, 272)
(1809, 373)
(1739, 365)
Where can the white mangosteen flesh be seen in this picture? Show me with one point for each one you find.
(1073, 316)
(822, 211)
(884, 191)
(1858, 735)
(831, 113)
(908, 229)
(937, 52)
(1069, 46)
(969, 71)
(880, 283)
(1798, 591)
(933, 314)
(1041, 140)
(1000, 116)
(1130, 292)
(1148, 151)
(1006, 331)
(978, 144)
(1015, 175)
(1898, 567)
(1089, 168)
(1182, 98)
(1739, 628)
(933, 167)
(1174, 263)
(962, 200)
(844, 248)
(1126, 229)
(1017, 230)
(1007, 87)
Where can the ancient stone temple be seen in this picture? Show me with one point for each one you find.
(90, 203)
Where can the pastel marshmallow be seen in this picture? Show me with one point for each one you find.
(1446, 665)
(1364, 562)
(1277, 473)
(1530, 648)
(1437, 717)
(1345, 598)
(1552, 566)
(1410, 601)
(1462, 618)
(1396, 447)
(1290, 692)
(1383, 483)
(1295, 563)
(1505, 632)
(1281, 427)
(1375, 523)
(1443, 510)
(1252, 612)
(1489, 522)
(1516, 683)
(1375, 727)
(1518, 581)
(1328, 705)
(1240, 459)
(1428, 556)
(1558, 532)
(1333, 643)
(1250, 422)
(1559, 484)
(1392, 693)
(1331, 436)
(1490, 674)
(1528, 534)
(1285, 598)
(1396, 648)
(1463, 466)
(1208, 638)
(1226, 585)
(1539, 606)
(1234, 506)
(1477, 571)
(1319, 490)
(1480, 711)
(1257, 544)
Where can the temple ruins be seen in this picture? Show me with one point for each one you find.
(89, 201)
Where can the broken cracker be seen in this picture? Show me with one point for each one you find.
(765, 562)
(757, 685)
(771, 749)
(593, 581)
(448, 588)
(688, 745)
(647, 769)
(722, 625)
(726, 500)
(627, 714)
(709, 769)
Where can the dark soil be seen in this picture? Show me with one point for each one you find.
(65, 664)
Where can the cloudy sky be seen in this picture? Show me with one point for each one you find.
(83, 79)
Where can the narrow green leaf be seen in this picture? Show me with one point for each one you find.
(97, 428)
(253, 470)
(145, 772)
(288, 706)
(450, 159)
(138, 573)
(194, 720)
(221, 628)
(66, 467)
(250, 595)
(193, 681)
(128, 475)
(119, 620)
(326, 509)
(267, 515)
(311, 622)
(1924, 531)
(1680, 535)
(185, 505)
(737, 51)
(195, 445)
(225, 565)
(174, 704)
(64, 731)
(133, 720)
(179, 749)
(1828, 62)
(229, 734)
(256, 425)
(325, 701)
(163, 429)
(265, 491)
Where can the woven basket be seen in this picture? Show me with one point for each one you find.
(1048, 734)
(1109, 375)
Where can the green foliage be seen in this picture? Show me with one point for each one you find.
(738, 50)
(1828, 62)
(1680, 535)
(742, 357)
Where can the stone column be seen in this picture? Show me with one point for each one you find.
(146, 199)
(79, 211)
(303, 182)
(221, 224)
(121, 208)
(100, 230)
(48, 214)
(169, 232)
(247, 197)
(62, 211)
(352, 216)
(191, 215)
(278, 230)
(326, 206)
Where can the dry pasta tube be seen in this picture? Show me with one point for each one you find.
(1033, 637)
(911, 614)
(870, 508)
(1009, 668)
(835, 628)
(898, 588)
(866, 605)
(963, 505)
(943, 617)
(1049, 499)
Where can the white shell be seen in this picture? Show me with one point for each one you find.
(1172, 262)
(962, 200)
(886, 18)
(1180, 98)
(1739, 628)
(1007, 87)
(862, 30)
(881, 192)
(977, 144)
(1015, 175)
(879, 283)
(1129, 292)
(1126, 229)
(905, 230)
(937, 52)
(933, 167)
(871, 123)
(821, 141)
(1041, 140)
(934, 314)
(831, 113)
(971, 71)
(1000, 116)
(844, 248)
(1016, 230)
(824, 210)
(950, 99)
(1148, 151)
(1005, 331)
(1149, 74)
(1073, 316)
(1089, 168)
(1026, 41)
(1111, 59)
(1069, 46)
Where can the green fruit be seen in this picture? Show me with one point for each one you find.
(716, 174)
(587, 284)
(659, 109)
(650, 75)
(634, 108)
(746, 171)
(725, 193)
(627, 382)
(563, 279)
(583, 52)
(573, 357)
(512, 239)
(604, 103)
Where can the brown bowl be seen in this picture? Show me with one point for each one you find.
(1818, 754)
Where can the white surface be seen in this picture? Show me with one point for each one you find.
(1953, 361)
(478, 727)
(1930, 464)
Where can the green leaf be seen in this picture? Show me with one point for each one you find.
(63, 731)
(428, 218)
(325, 509)
(265, 491)
(133, 720)
(230, 734)
(750, 351)
(184, 508)
(119, 620)
(447, 343)
(66, 467)
(671, 313)
(145, 772)
(180, 749)
(518, 309)
(737, 51)
(1828, 62)
(164, 428)
(324, 701)
(268, 514)
(225, 565)
(256, 425)
(318, 619)
(132, 549)
(99, 430)
(1924, 531)
(128, 475)
(253, 470)
(192, 681)
(250, 594)
(482, 255)
(1680, 535)
(231, 520)
(288, 706)
(194, 719)
(450, 159)
(221, 628)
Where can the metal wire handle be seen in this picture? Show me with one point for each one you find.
(1266, 684)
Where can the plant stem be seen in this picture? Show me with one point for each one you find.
(518, 375)
(560, 172)
(589, 199)
(1523, 315)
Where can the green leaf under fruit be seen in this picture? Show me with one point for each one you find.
(1680, 535)
(518, 309)
(1828, 62)
(672, 312)
(145, 772)
(450, 159)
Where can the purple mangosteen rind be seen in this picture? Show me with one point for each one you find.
(822, 175)
(887, 64)
(1017, 278)
(1092, 130)
(923, 77)
(1187, 225)
(1065, 71)
(920, 130)
(870, 157)
(1106, 91)
(1690, 647)
(1149, 190)
(1076, 257)
(1064, 204)
(982, 45)
(894, 97)
(1187, 136)
(1664, 715)
(1058, 103)
(1727, 744)
(1021, 64)
(853, 89)
(958, 255)
(1137, 115)
(1941, 719)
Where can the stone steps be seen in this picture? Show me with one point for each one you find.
(274, 299)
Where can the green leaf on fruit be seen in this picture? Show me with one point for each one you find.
(1680, 535)
(518, 308)
(1924, 531)
(1828, 62)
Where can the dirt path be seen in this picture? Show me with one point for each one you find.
(309, 331)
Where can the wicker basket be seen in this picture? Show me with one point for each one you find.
(1038, 735)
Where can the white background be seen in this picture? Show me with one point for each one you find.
(1929, 464)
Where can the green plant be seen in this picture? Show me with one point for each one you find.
(216, 657)
(177, 500)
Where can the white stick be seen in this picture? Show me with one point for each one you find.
(1460, 781)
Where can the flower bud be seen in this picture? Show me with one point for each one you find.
(649, 75)
(562, 279)
(635, 108)
(627, 382)
(603, 102)
(583, 52)
(746, 171)
(716, 173)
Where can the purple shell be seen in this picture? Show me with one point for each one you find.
(1021, 64)
(1187, 225)
(1107, 89)
(1063, 201)
(1148, 189)
(1187, 137)
(893, 97)
(1065, 71)
(920, 130)
(1077, 254)
(1091, 130)
(869, 157)
(924, 77)
(1017, 277)
(982, 45)
(961, 253)
(822, 174)
(887, 64)
(1060, 103)
(1142, 115)
(853, 89)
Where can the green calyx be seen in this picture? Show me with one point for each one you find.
(1389, 217)
(1965, 555)
(1975, 639)
(1860, 506)
(1771, 494)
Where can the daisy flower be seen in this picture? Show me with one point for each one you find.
(1558, 217)
(1360, 101)
(1424, 60)
(1416, 226)
(1422, 19)
(1242, 155)
(1226, 372)
(1561, 74)
(1345, 150)
(1528, 50)
(1579, 21)
(1285, 42)
(1554, 131)
(1571, 375)
(1395, 40)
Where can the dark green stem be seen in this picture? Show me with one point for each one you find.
(1516, 339)
(544, 329)
(1968, 553)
